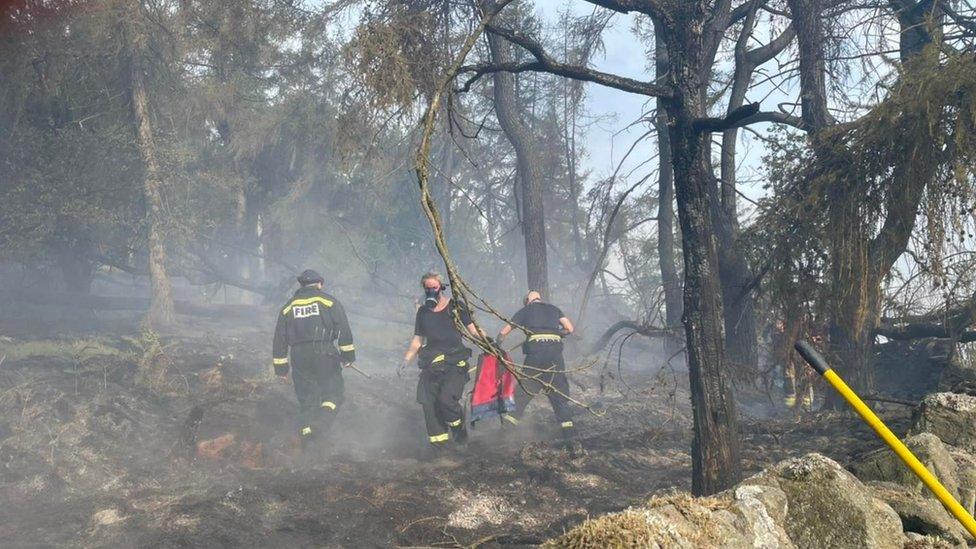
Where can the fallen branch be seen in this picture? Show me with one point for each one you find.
(892, 400)
(647, 331)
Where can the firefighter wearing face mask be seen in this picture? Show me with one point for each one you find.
(312, 336)
(443, 361)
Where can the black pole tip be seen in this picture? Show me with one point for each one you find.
(812, 356)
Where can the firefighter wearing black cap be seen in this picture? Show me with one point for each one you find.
(443, 361)
(313, 337)
(545, 368)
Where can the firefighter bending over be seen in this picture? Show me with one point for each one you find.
(545, 368)
(443, 361)
(309, 325)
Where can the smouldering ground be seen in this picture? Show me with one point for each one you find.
(90, 455)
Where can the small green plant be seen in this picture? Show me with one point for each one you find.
(153, 363)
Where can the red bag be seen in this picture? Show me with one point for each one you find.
(494, 389)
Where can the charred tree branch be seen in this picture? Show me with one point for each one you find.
(647, 331)
(546, 63)
(732, 120)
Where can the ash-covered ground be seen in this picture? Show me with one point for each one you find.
(112, 437)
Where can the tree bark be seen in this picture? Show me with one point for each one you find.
(532, 189)
(807, 18)
(161, 311)
(715, 449)
(739, 302)
(673, 306)
(448, 163)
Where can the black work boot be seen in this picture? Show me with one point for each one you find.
(570, 441)
(575, 449)
(460, 433)
(436, 452)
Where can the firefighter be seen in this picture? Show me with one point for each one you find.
(797, 377)
(443, 361)
(545, 368)
(306, 335)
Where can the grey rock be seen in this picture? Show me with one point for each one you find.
(949, 416)
(829, 507)
(883, 465)
(921, 514)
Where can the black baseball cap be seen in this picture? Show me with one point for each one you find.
(309, 276)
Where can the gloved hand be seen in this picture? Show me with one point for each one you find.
(402, 367)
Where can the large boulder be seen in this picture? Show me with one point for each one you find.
(802, 502)
(829, 507)
(885, 466)
(949, 416)
(921, 514)
(966, 467)
(674, 521)
(760, 514)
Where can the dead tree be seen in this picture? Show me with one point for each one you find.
(673, 306)
(741, 330)
(690, 32)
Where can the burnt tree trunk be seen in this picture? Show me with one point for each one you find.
(161, 311)
(715, 449)
(532, 191)
(741, 323)
(673, 305)
(738, 302)
(807, 18)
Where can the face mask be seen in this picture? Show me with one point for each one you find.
(431, 297)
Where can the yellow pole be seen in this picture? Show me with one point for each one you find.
(820, 365)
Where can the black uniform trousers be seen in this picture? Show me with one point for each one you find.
(319, 387)
(546, 373)
(439, 392)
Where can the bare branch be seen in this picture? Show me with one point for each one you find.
(647, 7)
(546, 63)
(732, 120)
(648, 331)
(772, 117)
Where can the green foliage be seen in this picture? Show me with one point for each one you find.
(153, 364)
(395, 53)
(847, 212)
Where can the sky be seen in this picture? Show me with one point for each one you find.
(607, 140)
